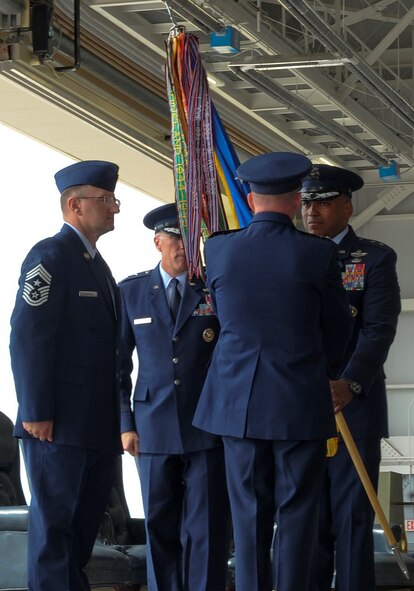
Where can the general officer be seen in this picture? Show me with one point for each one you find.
(171, 323)
(284, 324)
(370, 280)
(63, 354)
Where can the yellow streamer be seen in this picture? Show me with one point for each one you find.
(227, 201)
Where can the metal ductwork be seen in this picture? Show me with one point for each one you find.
(315, 117)
(314, 23)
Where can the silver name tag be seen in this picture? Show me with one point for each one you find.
(88, 294)
(142, 320)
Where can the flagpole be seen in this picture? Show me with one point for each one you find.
(369, 489)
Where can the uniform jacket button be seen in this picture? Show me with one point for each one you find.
(177, 382)
(176, 359)
(176, 339)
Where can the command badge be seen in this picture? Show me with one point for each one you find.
(208, 335)
(36, 286)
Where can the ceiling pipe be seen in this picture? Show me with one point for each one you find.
(314, 23)
(76, 41)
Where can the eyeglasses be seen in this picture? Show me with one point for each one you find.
(105, 199)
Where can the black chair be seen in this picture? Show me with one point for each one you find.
(120, 532)
(13, 512)
(11, 492)
(118, 558)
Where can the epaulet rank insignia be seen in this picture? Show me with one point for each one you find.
(136, 276)
(143, 273)
(314, 235)
(376, 243)
(221, 232)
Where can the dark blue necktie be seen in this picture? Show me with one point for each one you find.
(104, 279)
(175, 298)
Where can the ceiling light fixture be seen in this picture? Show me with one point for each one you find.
(304, 64)
(296, 61)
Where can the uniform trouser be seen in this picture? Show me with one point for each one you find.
(346, 521)
(70, 488)
(187, 520)
(274, 482)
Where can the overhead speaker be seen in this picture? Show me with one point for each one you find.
(42, 32)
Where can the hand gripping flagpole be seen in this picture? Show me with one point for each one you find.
(369, 489)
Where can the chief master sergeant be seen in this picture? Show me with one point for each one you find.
(370, 279)
(63, 352)
(170, 322)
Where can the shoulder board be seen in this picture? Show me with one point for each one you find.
(370, 242)
(315, 236)
(221, 232)
(136, 276)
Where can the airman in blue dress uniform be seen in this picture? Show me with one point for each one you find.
(369, 275)
(63, 351)
(181, 468)
(284, 324)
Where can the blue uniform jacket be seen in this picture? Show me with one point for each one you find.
(173, 361)
(370, 278)
(63, 350)
(285, 322)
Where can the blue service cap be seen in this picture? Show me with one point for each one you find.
(326, 182)
(274, 173)
(97, 173)
(163, 219)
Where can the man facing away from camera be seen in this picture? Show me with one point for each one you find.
(285, 323)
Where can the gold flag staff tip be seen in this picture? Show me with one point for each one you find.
(369, 489)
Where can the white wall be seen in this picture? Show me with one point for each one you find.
(31, 211)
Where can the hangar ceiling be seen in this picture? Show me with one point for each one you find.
(355, 112)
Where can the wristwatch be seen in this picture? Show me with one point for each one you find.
(354, 387)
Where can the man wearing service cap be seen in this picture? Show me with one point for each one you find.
(63, 353)
(284, 324)
(171, 323)
(370, 279)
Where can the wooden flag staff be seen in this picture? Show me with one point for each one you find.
(369, 489)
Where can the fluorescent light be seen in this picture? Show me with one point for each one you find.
(321, 60)
(214, 80)
(310, 64)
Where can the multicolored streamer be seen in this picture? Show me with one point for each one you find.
(208, 195)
